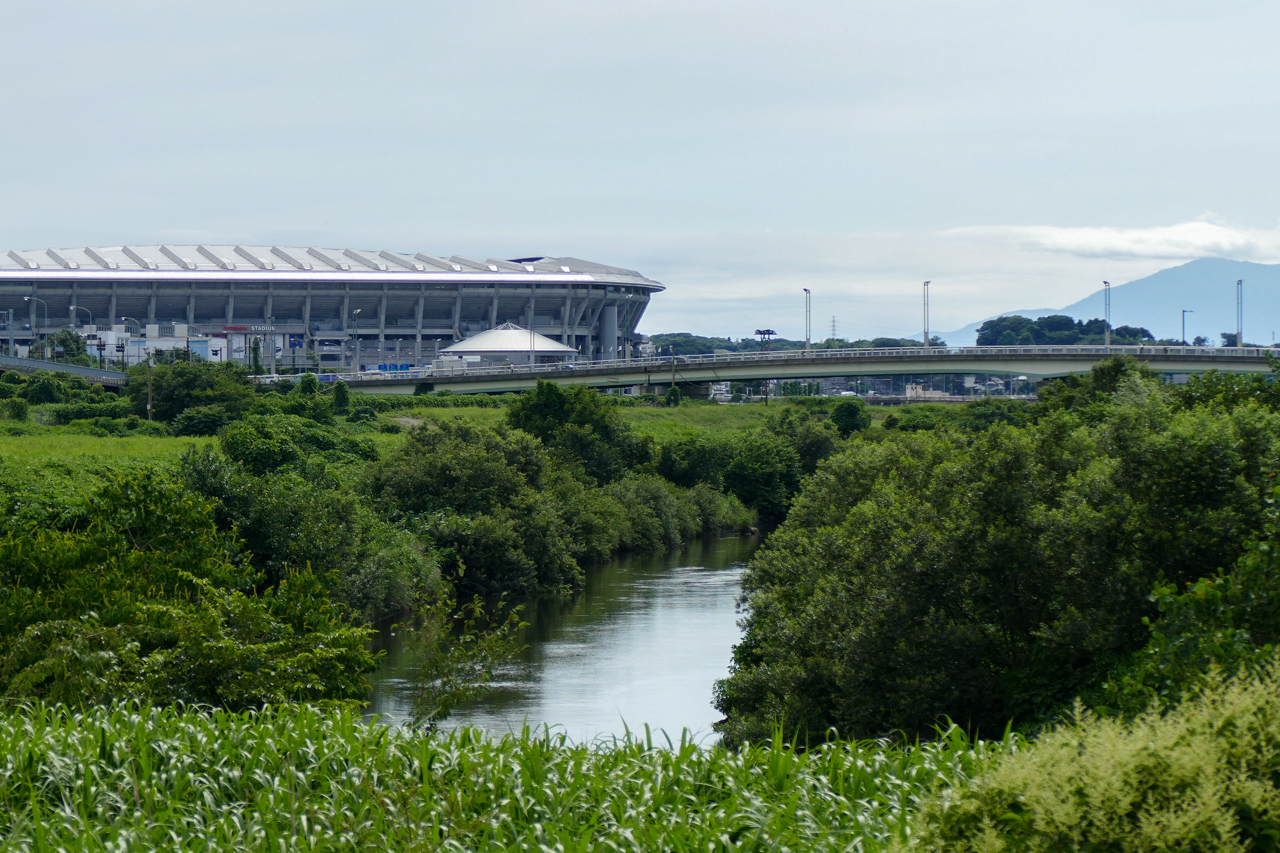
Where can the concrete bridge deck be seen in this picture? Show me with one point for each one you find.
(1033, 362)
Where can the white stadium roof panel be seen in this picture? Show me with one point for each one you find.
(236, 261)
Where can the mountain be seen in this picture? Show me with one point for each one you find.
(1207, 287)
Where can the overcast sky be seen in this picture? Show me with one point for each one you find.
(1014, 153)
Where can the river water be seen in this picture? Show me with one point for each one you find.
(643, 644)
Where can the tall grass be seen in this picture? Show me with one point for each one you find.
(136, 778)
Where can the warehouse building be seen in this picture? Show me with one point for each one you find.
(303, 306)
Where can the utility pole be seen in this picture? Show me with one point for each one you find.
(1240, 312)
(1106, 289)
(926, 316)
(148, 384)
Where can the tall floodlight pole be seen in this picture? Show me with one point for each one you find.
(926, 315)
(85, 310)
(806, 319)
(1239, 311)
(1185, 312)
(1106, 290)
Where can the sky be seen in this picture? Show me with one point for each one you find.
(1015, 154)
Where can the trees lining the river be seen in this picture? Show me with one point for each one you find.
(994, 576)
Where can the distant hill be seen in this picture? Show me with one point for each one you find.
(1206, 286)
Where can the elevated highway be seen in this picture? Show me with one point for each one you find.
(92, 375)
(1033, 362)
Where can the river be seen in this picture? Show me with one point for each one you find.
(642, 644)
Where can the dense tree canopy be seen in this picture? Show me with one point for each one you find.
(990, 576)
(1017, 330)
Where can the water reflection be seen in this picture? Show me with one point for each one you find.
(643, 643)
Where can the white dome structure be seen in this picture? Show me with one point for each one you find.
(512, 343)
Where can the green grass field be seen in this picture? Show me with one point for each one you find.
(60, 445)
(659, 422)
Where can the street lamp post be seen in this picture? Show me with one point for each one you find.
(75, 308)
(1106, 289)
(46, 320)
(1240, 312)
(926, 316)
(137, 323)
(355, 321)
(807, 297)
(1185, 312)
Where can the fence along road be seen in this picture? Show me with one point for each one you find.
(1033, 362)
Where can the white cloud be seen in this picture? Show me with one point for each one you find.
(1202, 238)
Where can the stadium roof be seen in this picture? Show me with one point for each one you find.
(310, 262)
(506, 338)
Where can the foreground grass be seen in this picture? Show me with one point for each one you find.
(306, 779)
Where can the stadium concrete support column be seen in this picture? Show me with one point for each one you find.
(191, 305)
(493, 308)
(308, 340)
(565, 314)
(457, 315)
(151, 303)
(609, 332)
(382, 325)
(115, 289)
(231, 303)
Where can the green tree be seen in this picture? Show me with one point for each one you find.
(149, 600)
(182, 385)
(989, 576)
(580, 426)
(850, 416)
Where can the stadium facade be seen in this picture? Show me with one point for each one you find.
(306, 305)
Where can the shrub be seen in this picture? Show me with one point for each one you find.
(202, 420)
(341, 397)
(43, 389)
(68, 412)
(1199, 778)
(258, 445)
(15, 409)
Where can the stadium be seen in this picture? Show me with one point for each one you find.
(306, 306)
